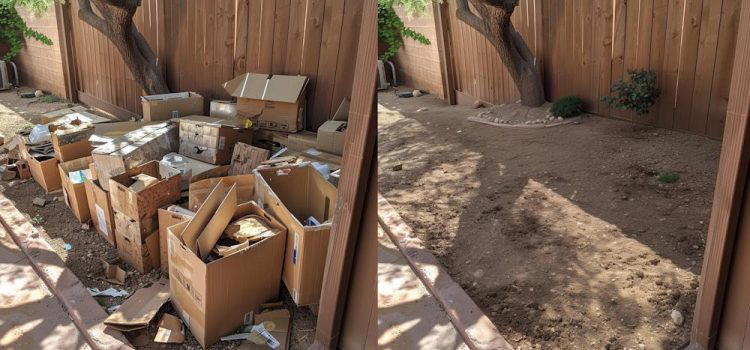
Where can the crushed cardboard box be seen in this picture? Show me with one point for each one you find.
(138, 310)
(173, 105)
(170, 330)
(113, 273)
(246, 158)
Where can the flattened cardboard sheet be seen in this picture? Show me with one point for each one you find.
(138, 310)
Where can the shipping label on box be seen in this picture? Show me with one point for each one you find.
(100, 204)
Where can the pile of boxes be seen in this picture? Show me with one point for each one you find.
(171, 192)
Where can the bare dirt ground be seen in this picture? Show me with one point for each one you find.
(563, 235)
(58, 226)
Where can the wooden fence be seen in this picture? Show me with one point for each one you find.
(203, 43)
(585, 46)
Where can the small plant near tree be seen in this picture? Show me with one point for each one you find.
(637, 94)
(13, 29)
(567, 107)
(391, 29)
(668, 177)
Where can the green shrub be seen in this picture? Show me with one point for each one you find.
(391, 30)
(668, 178)
(637, 94)
(566, 107)
(13, 30)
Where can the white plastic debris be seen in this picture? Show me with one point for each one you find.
(39, 134)
(109, 292)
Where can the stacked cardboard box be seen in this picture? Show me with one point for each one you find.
(136, 198)
(209, 139)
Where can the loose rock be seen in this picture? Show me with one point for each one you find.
(677, 317)
(39, 201)
(416, 93)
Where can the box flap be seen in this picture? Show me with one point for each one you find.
(190, 234)
(248, 85)
(218, 223)
(141, 307)
(284, 88)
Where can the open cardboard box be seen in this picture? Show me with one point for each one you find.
(275, 103)
(173, 105)
(293, 194)
(136, 245)
(145, 203)
(45, 172)
(71, 141)
(74, 192)
(200, 190)
(169, 216)
(215, 298)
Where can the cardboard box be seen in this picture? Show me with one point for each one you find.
(145, 203)
(143, 256)
(293, 194)
(71, 141)
(168, 217)
(135, 230)
(215, 298)
(100, 207)
(275, 103)
(187, 167)
(150, 142)
(45, 173)
(210, 139)
(168, 106)
(74, 190)
(331, 137)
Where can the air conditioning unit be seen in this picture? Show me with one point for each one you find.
(4, 77)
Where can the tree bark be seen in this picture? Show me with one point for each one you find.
(115, 21)
(492, 20)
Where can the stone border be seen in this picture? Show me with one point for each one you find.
(474, 326)
(85, 312)
(526, 126)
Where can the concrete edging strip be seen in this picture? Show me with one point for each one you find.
(85, 312)
(473, 325)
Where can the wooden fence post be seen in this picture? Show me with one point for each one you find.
(359, 149)
(728, 196)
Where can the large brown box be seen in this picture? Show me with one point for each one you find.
(45, 173)
(145, 203)
(210, 139)
(100, 207)
(293, 194)
(75, 192)
(168, 106)
(150, 142)
(215, 298)
(275, 103)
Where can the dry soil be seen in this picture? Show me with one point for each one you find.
(563, 236)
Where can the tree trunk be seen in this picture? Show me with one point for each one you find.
(115, 21)
(493, 22)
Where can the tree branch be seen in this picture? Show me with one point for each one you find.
(86, 14)
(124, 4)
(463, 12)
(143, 46)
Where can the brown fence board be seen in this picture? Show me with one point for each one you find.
(586, 46)
(202, 44)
